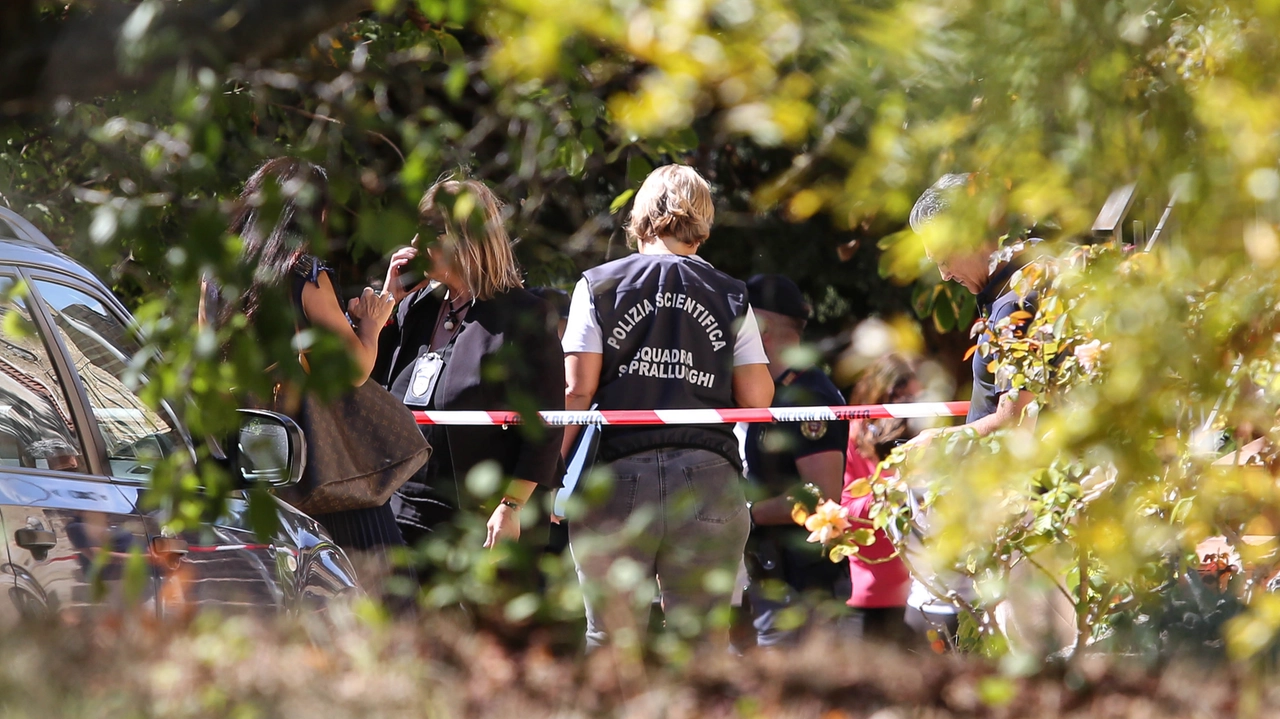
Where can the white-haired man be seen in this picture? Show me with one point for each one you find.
(986, 271)
(987, 275)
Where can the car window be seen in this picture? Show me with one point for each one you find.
(100, 347)
(36, 426)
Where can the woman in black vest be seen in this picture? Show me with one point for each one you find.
(467, 336)
(663, 329)
(279, 248)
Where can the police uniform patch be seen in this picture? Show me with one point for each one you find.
(814, 430)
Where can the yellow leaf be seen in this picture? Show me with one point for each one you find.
(799, 514)
(804, 204)
(859, 488)
(969, 354)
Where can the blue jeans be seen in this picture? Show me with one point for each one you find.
(675, 514)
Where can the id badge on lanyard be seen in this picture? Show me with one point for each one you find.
(422, 383)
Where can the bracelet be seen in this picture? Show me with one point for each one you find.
(511, 503)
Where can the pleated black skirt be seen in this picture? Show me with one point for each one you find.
(363, 530)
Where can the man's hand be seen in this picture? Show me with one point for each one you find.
(824, 470)
(926, 436)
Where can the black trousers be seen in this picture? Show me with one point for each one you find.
(882, 625)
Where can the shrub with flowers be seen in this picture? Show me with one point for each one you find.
(1090, 510)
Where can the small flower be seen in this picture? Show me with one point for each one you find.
(1088, 353)
(828, 522)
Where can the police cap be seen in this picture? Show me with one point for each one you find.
(775, 293)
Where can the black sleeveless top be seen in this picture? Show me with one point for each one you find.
(307, 271)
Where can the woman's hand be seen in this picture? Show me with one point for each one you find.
(371, 309)
(394, 284)
(504, 524)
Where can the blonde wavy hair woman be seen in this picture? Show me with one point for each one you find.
(473, 243)
(466, 335)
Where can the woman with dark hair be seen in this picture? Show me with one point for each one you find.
(284, 204)
(879, 578)
(468, 336)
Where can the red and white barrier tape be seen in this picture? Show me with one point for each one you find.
(910, 410)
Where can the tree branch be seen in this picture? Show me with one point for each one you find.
(120, 46)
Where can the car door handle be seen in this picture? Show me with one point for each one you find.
(170, 546)
(35, 540)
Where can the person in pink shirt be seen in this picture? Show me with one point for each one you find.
(880, 579)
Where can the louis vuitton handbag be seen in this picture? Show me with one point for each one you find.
(361, 447)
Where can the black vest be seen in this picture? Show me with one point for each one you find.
(668, 323)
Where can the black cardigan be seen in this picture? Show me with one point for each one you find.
(507, 357)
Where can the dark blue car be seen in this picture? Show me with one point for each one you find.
(77, 448)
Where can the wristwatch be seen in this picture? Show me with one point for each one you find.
(512, 504)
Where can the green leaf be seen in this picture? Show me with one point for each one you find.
(620, 201)
(591, 140)
(863, 537)
(573, 156)
(922, 298)
(16, 326)
(638, 168)
(521, 608)
(384, 229)
(859, 488)
(996, 691)
(434, 9)
(485, 479)
(459, 11)
(137, 574)
(944, 312)
(455, 81)
(264, 516)
(450, 48)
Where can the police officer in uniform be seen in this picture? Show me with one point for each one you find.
(783, 567)
(663, 329)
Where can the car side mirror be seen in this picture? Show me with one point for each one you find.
(271, 448)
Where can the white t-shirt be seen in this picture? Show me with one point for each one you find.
(582, 332)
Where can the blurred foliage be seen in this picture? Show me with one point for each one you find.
(818, 123)
(364, 665)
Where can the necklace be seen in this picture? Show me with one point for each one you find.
(451, 315)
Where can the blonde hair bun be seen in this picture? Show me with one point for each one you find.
(673, 203)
